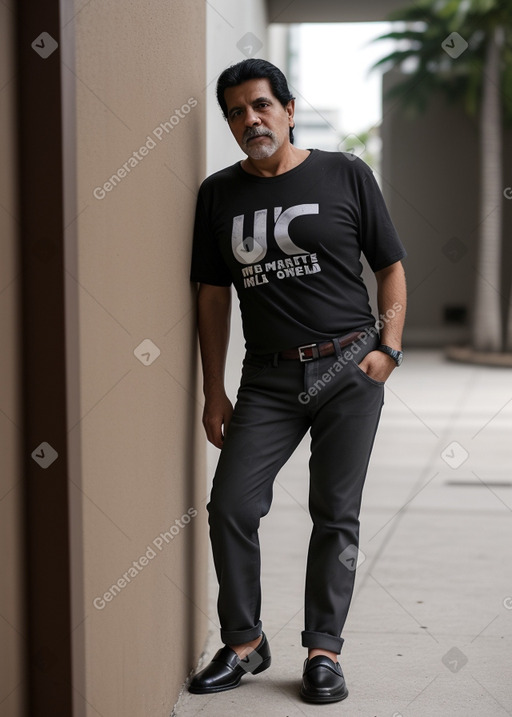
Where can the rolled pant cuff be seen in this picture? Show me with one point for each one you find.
(322, 640)
(239, 637)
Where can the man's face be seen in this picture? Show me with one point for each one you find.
(259, 122)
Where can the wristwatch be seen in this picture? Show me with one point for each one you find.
(396, 355)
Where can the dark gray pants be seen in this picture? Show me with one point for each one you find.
(276, 404)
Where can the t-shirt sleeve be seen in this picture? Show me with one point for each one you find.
(380, 242)
(207, 264)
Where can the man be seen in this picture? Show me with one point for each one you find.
(287, 227)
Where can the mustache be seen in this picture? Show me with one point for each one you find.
(257, 133)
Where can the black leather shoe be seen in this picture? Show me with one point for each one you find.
(226, 669)
(322, 680)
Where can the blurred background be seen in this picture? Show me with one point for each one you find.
(109, 123)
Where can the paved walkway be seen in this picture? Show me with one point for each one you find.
(430, 626)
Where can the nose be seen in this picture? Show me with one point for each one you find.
(251, 118)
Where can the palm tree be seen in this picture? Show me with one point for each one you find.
(463, 48)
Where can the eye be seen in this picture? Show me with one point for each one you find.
(234, 114)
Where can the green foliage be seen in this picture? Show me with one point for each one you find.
(429, 69)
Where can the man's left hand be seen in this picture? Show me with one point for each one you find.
(377, 365)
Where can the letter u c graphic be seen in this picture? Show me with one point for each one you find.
(253, 249)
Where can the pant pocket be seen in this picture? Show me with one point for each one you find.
(368, 378)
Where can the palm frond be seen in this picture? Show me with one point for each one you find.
(459, 77)
(395, 58)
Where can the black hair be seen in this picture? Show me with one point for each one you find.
(254, 69)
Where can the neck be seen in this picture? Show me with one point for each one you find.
(287, 157)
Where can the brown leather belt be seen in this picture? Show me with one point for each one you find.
(310, 352)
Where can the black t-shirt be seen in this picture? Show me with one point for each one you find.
(291, 245)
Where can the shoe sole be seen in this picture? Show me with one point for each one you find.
(210, 690)
(319, 699)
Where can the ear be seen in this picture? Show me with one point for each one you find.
(290, 110)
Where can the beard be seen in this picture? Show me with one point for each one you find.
(260, 149)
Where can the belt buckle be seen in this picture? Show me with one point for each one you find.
(301, 349)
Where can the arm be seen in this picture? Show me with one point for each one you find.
(213, 314)
(391, 292)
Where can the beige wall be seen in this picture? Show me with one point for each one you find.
(11, 620)
(136, 444)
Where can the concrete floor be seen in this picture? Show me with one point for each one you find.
(430, 626)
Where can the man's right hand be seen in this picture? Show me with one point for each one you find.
(217, 413)
(213, 315)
